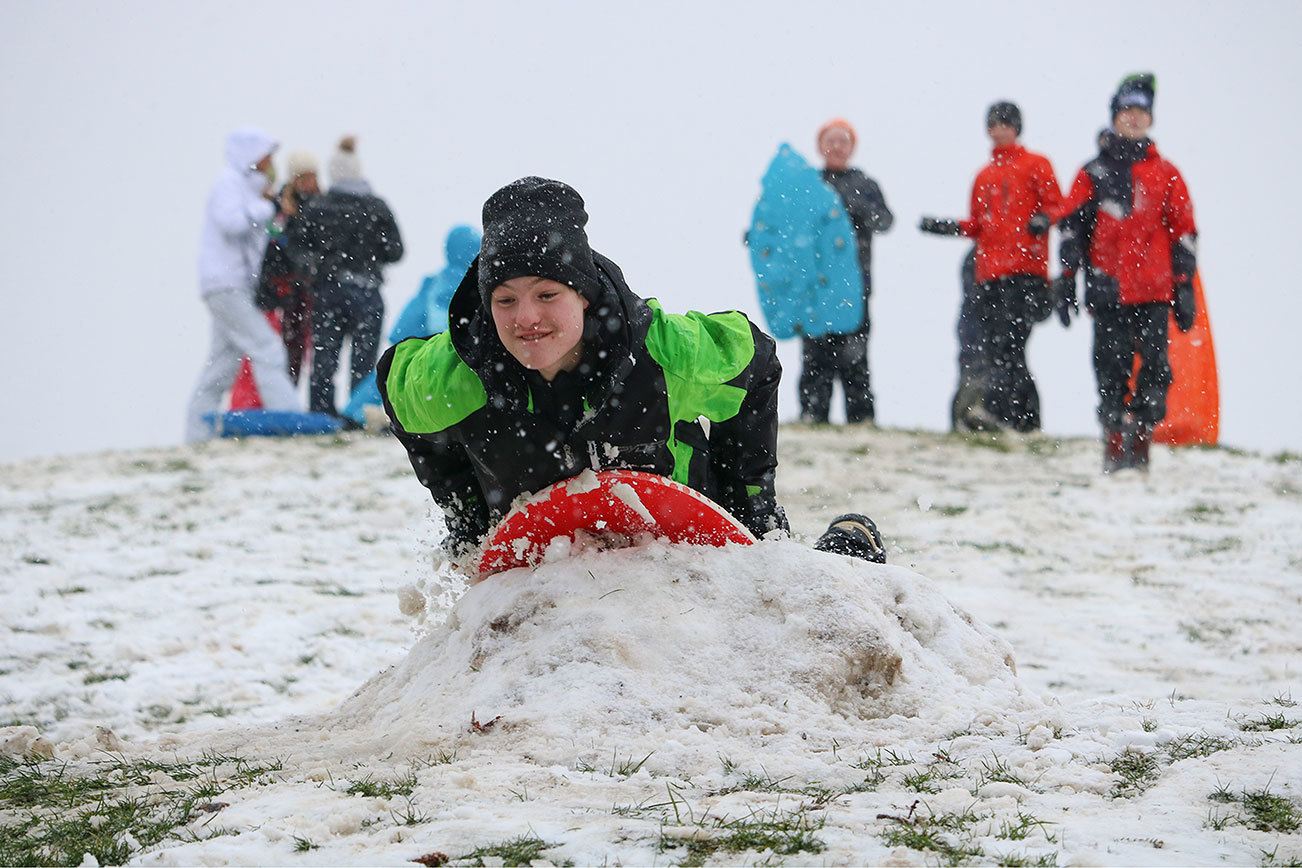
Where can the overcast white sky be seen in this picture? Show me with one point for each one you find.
(663, 116)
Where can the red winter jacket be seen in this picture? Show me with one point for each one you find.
(1129, 211)
(1014, 186)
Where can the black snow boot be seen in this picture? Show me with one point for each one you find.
(854, 535)
(1115, 454)
(1137, 436)
(1140, 441)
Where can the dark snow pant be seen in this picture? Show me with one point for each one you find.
(338, 311)
(971, 392)
(1122, 331)
(296, 328)
(825, 359)
(1002, 310)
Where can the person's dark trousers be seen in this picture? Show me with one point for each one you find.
(343, 310)
(1003, 308)
(296, 328)
(1120, 332)
(971, 336)
(817, 374)
(823, 361)
(970, 395)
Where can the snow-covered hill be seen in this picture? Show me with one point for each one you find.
(216, 636)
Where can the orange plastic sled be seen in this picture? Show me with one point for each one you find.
(1193, 404)
(626, 503)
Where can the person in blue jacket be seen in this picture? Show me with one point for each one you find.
(427, 312)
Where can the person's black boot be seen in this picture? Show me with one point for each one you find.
(1139, 448)
(1132, 433)
(854, 535)
(1114, 452)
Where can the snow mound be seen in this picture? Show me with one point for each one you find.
(685, 646)
(17, 742)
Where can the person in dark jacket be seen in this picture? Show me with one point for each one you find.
(552, 365)
(346, 236)
(1129, 225)
(1014, 200)
(284, 286)
(845, 356)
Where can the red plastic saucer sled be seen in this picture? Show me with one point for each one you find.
(615, 507)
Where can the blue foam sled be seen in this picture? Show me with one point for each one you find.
(803, 252)
(271, 423)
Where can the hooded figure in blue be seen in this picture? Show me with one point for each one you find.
(427, 312)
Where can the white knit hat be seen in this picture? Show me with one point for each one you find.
(301, 163)
(344, 164)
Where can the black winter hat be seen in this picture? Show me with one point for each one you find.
(1135, 91)
(534, 226)
(1004, 113)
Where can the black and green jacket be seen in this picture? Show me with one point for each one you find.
(692, 397)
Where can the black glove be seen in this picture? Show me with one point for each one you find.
(939, 226)
(467, 522)
(1185, 306)
(456, 547)
(1064, 290)
(1038, 225)
(759, 512)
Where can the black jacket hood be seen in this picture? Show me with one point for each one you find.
(617, 322)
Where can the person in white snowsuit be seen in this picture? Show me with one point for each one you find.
(231, 247)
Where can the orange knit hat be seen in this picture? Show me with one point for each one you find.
(833, 124)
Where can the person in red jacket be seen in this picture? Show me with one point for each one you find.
(1015, 200)
(1128, 223)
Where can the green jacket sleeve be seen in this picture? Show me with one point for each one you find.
(721, 367)
(440, 462)
(744, 448)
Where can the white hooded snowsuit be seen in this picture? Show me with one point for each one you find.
(231, 245)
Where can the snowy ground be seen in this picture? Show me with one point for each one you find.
(166, 612)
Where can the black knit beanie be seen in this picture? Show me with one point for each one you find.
(1005, 113)
(1135, 91)
(534, 226)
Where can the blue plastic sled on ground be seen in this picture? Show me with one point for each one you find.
(802, 248)
(271, 423)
